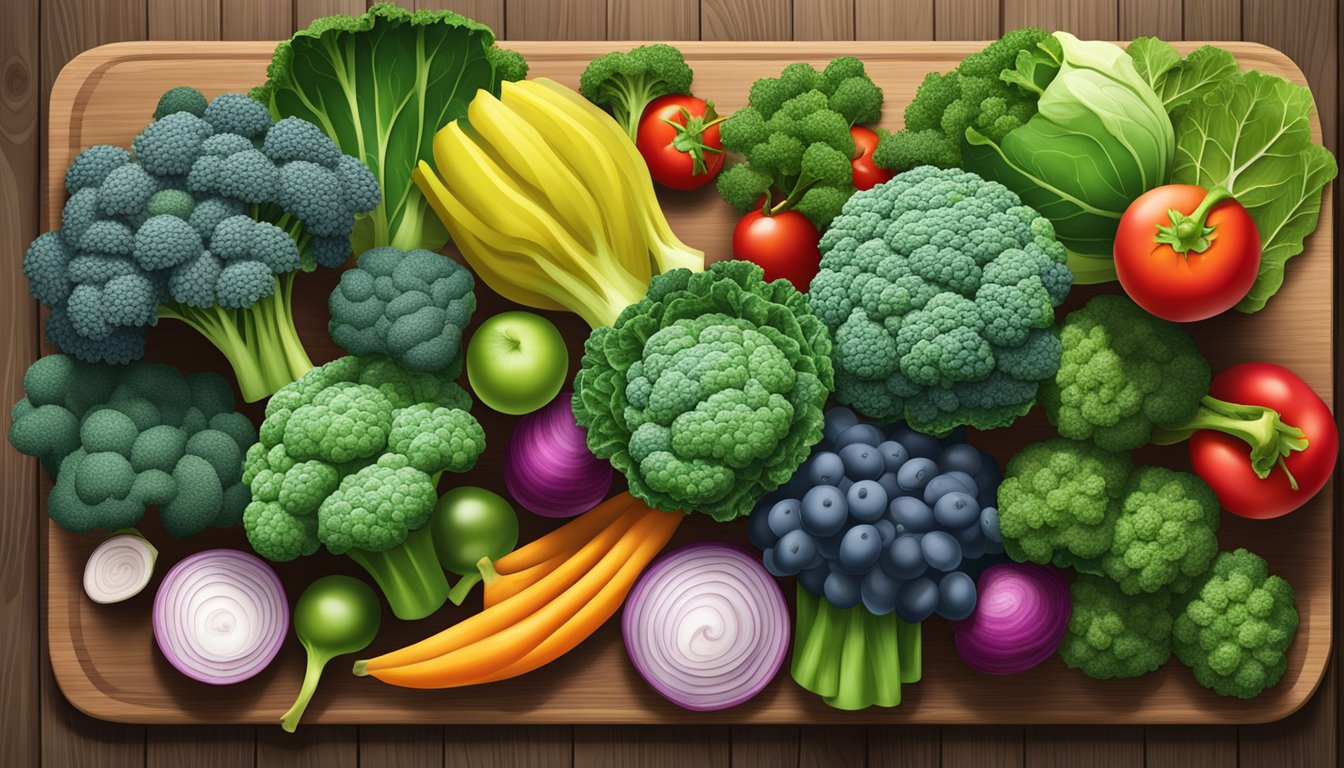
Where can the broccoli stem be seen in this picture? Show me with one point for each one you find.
(317, 661)
(260, 341)
(409, 575)
(628, 101)
(852, 658)
(1270, 439)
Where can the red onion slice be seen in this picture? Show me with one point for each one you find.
(220, 616)
(119, 568)
(548, 468)
(1020, 617)
(707, 627)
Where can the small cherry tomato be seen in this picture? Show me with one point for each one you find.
(679, 139)
(866, 174)
(784, 244)
(1185, 254)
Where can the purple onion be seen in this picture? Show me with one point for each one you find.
(1019, 620)
(548, 468)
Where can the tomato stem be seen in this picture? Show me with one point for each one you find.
(690, 136)
(1270, 439)
(1191, 233)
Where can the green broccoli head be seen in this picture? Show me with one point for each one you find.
(1113, 634)
(1122, 373)
(1058, 503)
(1165, 534)
(117, 439)
(709, 392)
(971, 96)
(1235, 631)
(795, 137)
(939, 289)
(349, 457)
(625, 82)
(409, 305)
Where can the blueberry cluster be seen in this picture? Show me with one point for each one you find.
(896, 520)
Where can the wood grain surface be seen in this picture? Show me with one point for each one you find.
(39, 727)
(104, 657)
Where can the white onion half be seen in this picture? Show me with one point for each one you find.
(220, 616)
(119, 568)
(707, 627)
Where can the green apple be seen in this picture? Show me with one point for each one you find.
(517, 362)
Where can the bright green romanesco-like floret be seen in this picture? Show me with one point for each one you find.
(1112, 634)
(1165, 534)
(709, 392)
(1058, 503)
(939, 289)
(1235, 631)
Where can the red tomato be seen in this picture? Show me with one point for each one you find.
(866, 174)
(679, 139)
(1224, 461)
(1168, 274)
(784, 245)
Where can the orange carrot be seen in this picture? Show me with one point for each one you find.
(605, 587)
(567, 538)
(505, 614)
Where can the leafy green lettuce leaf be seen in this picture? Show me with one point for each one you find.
(1180, 81)
(1100, 138)
(380, 85)
(1252, 135)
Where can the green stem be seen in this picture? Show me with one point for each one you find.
(1191, 233)
(409, 575)
(1270, 439)
(852, 658)
(317, 662)
(463, 587)
(1091, 270)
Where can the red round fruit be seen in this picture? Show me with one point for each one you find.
(679, 139)
(1224, 461)
(783, 244)
(866, 173)
(1180, 271)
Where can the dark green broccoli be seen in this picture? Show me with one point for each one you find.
(709, 392)
(208, 224)
(1165, 532)
(1127, 378)
(625, 82)
(794, 135)
(1235, 630)
(410, 305)
(1113, 634)
(120, 438)
(973, 95)
(939, 290)
(350, 456)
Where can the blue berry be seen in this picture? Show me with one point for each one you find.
(867, 501)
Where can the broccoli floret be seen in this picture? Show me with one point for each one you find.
(795, 136)
(1058, 503)
(170, 146)
(412, 306)
(1127, 378)
(171, 202)
(971, 96)
(349, 456)
(625, 82)
(90, 168)
(1165, 534)
(119, 438)
(125, 191)
(939, 290)
(1235, 631)
(709, 392)
(180, 99)
(45, 265)
(1112, 634)
(236, 113)
(296, 139)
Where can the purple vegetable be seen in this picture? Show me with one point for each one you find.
(707, 627)
(548, 468)
(1019, 619)
(220, 616)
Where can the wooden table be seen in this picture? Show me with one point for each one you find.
(39, 727)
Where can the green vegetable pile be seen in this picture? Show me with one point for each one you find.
(939, 291)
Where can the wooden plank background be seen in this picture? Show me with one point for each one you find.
(37, 725)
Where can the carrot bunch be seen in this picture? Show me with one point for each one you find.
(541, 600)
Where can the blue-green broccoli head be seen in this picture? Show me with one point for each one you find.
(939, 290)
(709, 392)
(409, 305)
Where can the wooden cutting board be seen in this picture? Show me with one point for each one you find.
(104, 655)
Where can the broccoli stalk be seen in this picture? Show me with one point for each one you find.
(1270, 439)
(852, 658)
(260, 342)
(625, 82)
(409, 574)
